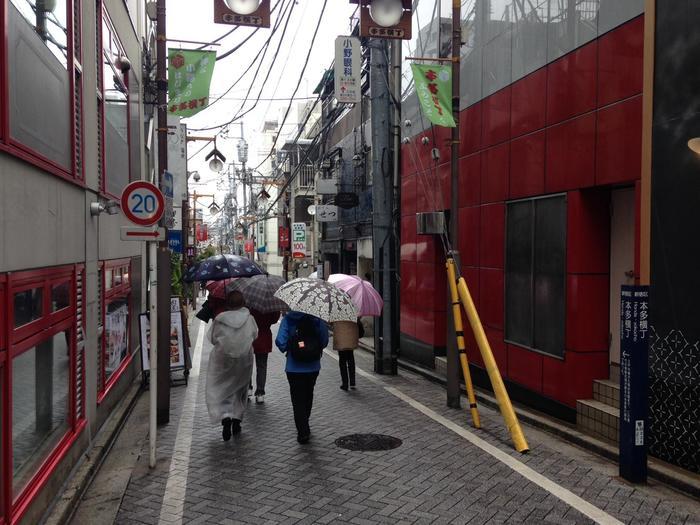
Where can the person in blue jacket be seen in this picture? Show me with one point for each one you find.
(301, 375)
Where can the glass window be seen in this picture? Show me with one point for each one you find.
(40, 405)
(116, 114)
(134, 127)
(536, 274)
(28, 306)
(116, 335)
(60, 296)
(40, 95)
(108, 278)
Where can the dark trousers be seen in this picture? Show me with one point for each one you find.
(260, 373)
(346, 360)
(301, 388)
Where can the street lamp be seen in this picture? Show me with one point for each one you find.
(243, 7)
(694, 145)
(216, 165)
(386, 13)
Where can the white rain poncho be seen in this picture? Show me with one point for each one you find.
(230, 363)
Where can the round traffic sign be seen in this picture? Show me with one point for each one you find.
(142, 203)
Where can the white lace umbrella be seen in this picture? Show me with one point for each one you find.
(318, 298)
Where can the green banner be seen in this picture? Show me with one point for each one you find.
(189, 78)
(434, 90)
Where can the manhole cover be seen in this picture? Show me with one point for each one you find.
(368, 442)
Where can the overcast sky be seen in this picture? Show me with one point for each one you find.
(186, 22)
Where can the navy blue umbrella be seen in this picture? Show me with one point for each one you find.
(219, 267)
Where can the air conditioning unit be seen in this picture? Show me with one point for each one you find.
(430, 223)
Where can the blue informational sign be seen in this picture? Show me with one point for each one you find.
(634, 382)
(175, 241)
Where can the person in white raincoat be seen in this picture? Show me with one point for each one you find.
(230, 364)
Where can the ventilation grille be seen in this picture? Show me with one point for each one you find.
(80, 345)
(100, 328)
(78, 123)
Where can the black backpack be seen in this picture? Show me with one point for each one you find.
(305, 345)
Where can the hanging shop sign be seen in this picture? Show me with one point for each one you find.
(189, 78)
(298, 240)
(202, 233)
(348, 70)
(434, 90)
(347, 200)
(283, 239)
(327, 213)
(634, 382)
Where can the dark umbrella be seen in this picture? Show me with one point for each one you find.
(259, 292)
(219, 267)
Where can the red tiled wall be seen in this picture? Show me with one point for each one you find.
(573, 126)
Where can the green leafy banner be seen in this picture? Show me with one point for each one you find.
(434, 90)
(189, 78)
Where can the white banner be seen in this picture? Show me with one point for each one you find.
(298, 240)
(326, 213)
(348, 70)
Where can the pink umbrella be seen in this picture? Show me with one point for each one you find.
(365, 298)
(217, 289)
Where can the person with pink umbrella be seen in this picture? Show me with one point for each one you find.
(368, 302)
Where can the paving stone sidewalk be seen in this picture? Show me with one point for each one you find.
(436, 476)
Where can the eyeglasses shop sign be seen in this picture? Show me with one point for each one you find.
(299, 240)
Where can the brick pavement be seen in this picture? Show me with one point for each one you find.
(263, 476)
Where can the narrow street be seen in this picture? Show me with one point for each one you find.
(443, 472)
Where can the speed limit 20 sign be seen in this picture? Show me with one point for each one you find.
(142, 203)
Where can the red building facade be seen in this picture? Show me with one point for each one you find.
(550, 157)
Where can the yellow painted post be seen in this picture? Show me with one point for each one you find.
(462, 347)
(492, 369)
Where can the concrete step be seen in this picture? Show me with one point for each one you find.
(607, 391)
(598, 419)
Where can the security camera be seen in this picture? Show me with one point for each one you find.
(197, 177)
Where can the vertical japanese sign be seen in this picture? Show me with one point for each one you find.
(189, 78)
(434, 90)
(299, 240)
(348, 73)
(283, 239)
(634, 380)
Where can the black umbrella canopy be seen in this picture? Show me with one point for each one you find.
(219, 267)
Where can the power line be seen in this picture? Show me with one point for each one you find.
(261, 53)
(301, 76)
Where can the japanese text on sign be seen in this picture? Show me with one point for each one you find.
(347, 73)
(299, 240)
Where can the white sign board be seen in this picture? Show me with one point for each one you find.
(146, 233)
(177, 340)
(348, 70)
(327, 213)
(298, 240)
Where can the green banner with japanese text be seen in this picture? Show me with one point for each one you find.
(189, 78)
(434, 90)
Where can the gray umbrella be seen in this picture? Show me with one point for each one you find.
(318, 298)
(259, 292)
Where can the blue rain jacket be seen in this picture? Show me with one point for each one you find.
(287, 328)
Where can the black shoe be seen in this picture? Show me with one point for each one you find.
(236, 427)
(226, 432)
(352, 387)
(344, 387)
(303, 439)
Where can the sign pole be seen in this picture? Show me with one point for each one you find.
(162, 325)
(153, 351)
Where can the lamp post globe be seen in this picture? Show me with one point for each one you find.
(216, 165)
(386, 13)
(243, 7)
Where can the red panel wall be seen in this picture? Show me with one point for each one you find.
(573, 126)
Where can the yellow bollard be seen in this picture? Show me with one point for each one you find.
(459, 330)
(492, 369)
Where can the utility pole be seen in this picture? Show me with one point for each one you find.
(396, 60)
(382, 205)
(163, 321)
(453, 364)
